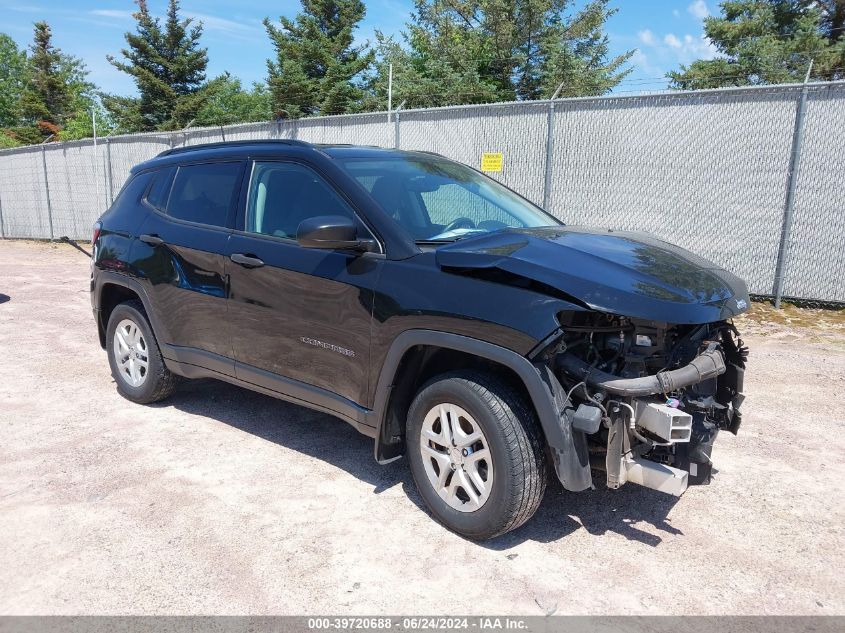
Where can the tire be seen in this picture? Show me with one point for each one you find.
(143, 378)
(516, 475)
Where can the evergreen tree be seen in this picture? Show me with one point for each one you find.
(421, 79)
(13, 77)
(769, 42)
(317, 69)
(56, 90)
(168, 66)
(467, 51)
(46, 99)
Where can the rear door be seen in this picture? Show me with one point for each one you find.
(298, 313)
(181, 252)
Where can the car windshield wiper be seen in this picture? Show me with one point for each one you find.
(442, 240)
(455, 238)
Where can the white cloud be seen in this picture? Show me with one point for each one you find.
(699, 47)
(213, 23)
(699, 9)
(111, 13)
(672, 41)
(209, 22)
(646, 37)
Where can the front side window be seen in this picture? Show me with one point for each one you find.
(204, 193)
(438, 200)
(282, 195)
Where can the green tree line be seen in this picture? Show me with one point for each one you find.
(451, 52)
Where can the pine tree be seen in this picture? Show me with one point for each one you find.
(475, 51)
(769, 42)
(47, 98)
(168, 65)
(576, 54)
(317, 69)
(56, 90)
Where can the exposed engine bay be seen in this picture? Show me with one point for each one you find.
(649, 397)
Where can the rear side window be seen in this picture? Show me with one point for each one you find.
(204, 193)
(160, 189)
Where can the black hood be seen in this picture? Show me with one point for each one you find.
(630, 274)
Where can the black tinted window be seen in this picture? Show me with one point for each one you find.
(160, 189)
(132, 191)
(284, 194)
(204, 193)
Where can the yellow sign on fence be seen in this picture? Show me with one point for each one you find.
(492, 161)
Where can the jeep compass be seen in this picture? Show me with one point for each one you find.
(435, 310)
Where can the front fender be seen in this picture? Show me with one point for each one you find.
(547, 396)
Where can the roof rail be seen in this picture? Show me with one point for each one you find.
(201, 146)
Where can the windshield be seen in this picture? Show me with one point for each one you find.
(437, 200)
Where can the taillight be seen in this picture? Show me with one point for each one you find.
(97, 228)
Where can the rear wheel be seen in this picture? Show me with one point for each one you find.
(476, 454)
(134, 356)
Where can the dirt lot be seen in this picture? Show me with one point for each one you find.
(225, 501)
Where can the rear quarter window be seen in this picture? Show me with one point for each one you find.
(159, 191)
(204, 193)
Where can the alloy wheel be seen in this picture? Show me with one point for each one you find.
(456, 457)
(131, 353)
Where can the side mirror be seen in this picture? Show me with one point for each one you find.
(332, 232)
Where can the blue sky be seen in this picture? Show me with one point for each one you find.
(665, 33)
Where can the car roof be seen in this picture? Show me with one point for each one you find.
(271, 147)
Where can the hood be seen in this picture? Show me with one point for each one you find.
(620, 272)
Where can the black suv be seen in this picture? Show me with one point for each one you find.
(432, 308)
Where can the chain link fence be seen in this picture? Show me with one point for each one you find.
(708, 170)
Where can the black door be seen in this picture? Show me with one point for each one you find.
(298, 315)
(181, 253)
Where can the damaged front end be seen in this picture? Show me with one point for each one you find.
(644, 400)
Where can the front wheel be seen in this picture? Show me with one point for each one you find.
(476, 454)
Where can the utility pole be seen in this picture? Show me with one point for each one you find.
(389, 91)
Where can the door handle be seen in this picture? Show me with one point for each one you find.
(152, 240)
(246, 260)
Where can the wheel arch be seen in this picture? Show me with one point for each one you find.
(417, 355)
(111, 290)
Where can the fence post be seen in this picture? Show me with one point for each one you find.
(109, 181)
(2, 229)
(223, 133)
(396, 125)
(791, 184)
(550, 147)
(47, 191)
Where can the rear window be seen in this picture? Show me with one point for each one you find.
(204, 193)
(160, 189)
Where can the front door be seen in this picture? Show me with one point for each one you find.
(296, 313)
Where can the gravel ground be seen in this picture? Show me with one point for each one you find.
(222, 501)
